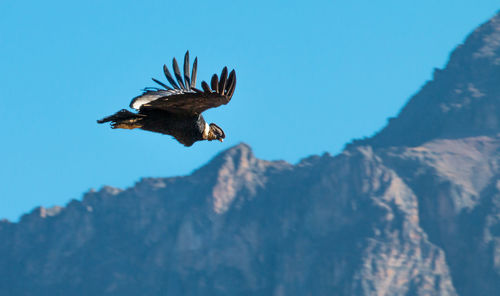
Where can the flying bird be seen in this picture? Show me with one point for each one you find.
(176, 109)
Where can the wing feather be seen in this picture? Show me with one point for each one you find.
(193, 74)
(205, 87)
(177, 73)
(162, 84)
(187, 82)
(223, 80)
(229, 82)
(197, 90)
(215, 83)
(169, 77)
(232, 85)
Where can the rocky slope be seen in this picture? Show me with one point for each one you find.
(414, 210)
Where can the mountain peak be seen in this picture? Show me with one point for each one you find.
(239, 153)
(461, 100)
(235, 172)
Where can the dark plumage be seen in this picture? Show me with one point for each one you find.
(176, 110)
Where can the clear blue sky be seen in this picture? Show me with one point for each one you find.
(312, 75)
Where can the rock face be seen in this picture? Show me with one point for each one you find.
(414, 210)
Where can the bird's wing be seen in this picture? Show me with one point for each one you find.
(182, 96)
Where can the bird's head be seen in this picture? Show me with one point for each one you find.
(215, 133)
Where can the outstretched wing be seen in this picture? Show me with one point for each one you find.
(182, 96)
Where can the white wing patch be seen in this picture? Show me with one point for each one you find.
(150, 96)
(137, 102)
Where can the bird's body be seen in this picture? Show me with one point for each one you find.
(176, 110)
(187, 129)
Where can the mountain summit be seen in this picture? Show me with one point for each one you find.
(461, 100)
(414, 210)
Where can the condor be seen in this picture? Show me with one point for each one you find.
(177, 109)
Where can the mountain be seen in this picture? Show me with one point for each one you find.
(460, 101)
(413, 210)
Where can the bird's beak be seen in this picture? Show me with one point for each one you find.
(221, 139)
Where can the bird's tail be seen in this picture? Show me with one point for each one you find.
(123, 119)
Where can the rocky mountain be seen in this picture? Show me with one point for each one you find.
(413, 210)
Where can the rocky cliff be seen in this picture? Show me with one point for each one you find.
(414, 210)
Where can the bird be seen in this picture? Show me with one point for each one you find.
(176, 109)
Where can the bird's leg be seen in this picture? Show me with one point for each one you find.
(128, 124)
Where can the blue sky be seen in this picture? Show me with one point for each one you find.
(312, 75)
